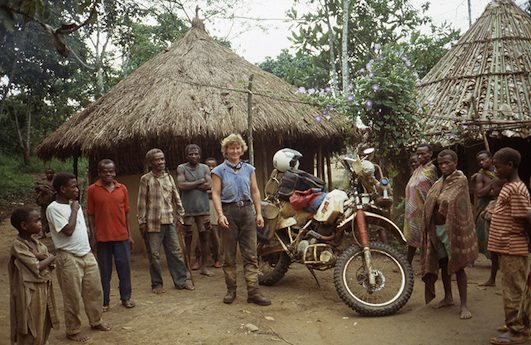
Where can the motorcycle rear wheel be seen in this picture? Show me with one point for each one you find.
(272, 268)
(394, 280)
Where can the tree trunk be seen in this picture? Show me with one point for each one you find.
(99, 58)
(27, 143)
(344, 47)
(250, 141)
(332, 55)
(24, 141)
(12, 74)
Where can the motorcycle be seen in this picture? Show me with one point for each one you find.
(372, 278)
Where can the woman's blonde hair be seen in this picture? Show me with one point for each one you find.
(233, 139)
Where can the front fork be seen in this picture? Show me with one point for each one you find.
(363, 238)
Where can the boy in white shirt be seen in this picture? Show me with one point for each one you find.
(77, 269)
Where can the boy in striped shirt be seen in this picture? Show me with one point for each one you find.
(508, 239)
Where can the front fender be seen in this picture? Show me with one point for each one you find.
(376, 219)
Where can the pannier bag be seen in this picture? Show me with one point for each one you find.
(293, 180)
(300, 200)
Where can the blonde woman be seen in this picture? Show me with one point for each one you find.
(236, 198)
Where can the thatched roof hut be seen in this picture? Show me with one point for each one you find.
(479, 94)
(194, 92)
(483, 84)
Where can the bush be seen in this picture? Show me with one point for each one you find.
(17, 179)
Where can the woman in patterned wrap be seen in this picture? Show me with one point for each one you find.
(423, 177)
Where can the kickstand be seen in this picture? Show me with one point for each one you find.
(314, 276)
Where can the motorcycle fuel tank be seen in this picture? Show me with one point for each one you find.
(331, 207)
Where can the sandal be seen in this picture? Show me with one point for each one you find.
(503, 329)
(105, 327)
(128, 303)
(78, 337)
(508, 338)
(105, 308)
(157, 290)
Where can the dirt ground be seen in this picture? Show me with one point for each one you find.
(300, 314)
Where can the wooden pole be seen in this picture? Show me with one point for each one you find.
(265, 166)
(75, 166)
(320, 163)
(329, 171)
(469, 13)
(250, 119)
(482, 131)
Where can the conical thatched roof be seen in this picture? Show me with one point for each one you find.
(483, 83)
(190, 93)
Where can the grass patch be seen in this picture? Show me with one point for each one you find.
(17, 179)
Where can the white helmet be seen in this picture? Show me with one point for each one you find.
(286, 159)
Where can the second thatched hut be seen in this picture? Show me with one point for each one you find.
(479, 94)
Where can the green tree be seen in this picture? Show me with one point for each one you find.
(145, 41)
(299, 69)
(369, 22)
(46, 14)
(385, 100)
(170, 22)
(425, 50)
(39, 90)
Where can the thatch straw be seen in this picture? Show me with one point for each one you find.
(189, 93)
(484, 81)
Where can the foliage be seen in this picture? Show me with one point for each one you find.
(385, 97)
(37, 85)
(299, 69)
(425, 50)
(17, 179)
(383, 100)
(38, 11)
(12, 182)
(145, 41)
(44, 13)
(370, 21)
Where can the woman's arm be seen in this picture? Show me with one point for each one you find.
(257, 201)
(216, 200)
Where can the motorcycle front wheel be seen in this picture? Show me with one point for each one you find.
(393, 275)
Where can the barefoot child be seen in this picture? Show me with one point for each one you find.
(33, 311)
(508, 239)
(77, 269)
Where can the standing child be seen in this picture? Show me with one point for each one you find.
(508, 239)
(77, 269)
(33, 311)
